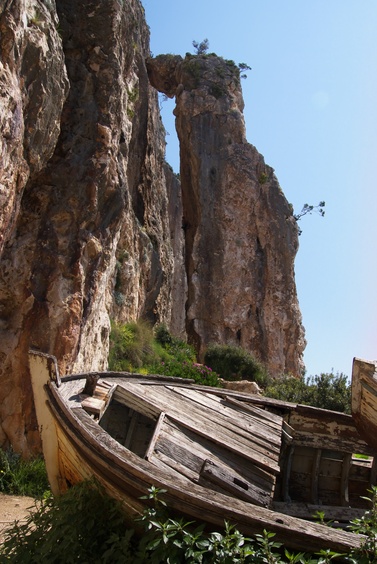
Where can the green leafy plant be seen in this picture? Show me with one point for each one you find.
(83, 525)
(178, 540)
(328, 391)
(131, 346)
(200, 373)
(86, 525)
(234, 363)
(134, 347)
(22, 477)
(367, 526)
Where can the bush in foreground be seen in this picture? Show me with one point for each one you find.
(85, 525)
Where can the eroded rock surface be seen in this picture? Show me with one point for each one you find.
(240, 235)
(87, 235)
(33, 88)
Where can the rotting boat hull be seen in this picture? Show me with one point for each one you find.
(81, 448)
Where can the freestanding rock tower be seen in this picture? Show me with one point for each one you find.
(240, 235)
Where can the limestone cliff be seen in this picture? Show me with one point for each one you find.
(93, 226)
(85, 225)
(240, 234)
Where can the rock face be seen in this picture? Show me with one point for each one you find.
(33, 87)
(93, 225)
(85, 228)
(240, 234)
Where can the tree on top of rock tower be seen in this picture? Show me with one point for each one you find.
(202, 47)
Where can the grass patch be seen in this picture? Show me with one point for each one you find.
(131, 346)
(22, 477)
(134, 347)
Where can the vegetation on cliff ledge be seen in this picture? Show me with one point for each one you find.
(135, 347)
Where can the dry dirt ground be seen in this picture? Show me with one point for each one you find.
(13, 508)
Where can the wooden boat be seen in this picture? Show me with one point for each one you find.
(364, 399)
(219, 454)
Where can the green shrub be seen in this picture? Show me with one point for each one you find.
(178, 359)
(327, 391)
(22, 477)
(179, 350)
(131, 346)
(187, 369)
(234, 363)
(162, 335)
(83, 525)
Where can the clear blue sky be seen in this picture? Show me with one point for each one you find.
(311, 110)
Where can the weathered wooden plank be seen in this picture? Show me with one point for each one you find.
(338, 433)
(220, 414)
(195, 419)
(99, 400)
(155, 436)
(270, 418)
(179, 468)
(286, 476)
(288, 433)
(243, 416)
(308, 511)
(70, 391)
(131, 428)
(238, 487)
(241, 419)
(364, 399)
(178, 406)
(346, 465)
(329, 442)
(143, 406)
(182, 445)
(94, 405)
(315, 474)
